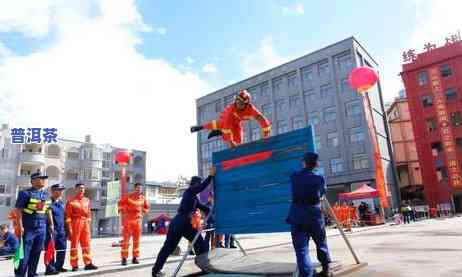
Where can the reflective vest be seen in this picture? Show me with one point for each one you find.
(37, 206)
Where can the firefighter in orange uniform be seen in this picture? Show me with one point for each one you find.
(131, 208)
(14, 219)
(353, 214)
(345, 211)
(78, 221)
(229, 124)
(336, 210)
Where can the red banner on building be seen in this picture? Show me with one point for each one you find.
(379, 174)
(444, 125)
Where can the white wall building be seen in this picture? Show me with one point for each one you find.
(68, 162)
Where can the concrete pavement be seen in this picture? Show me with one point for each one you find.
(426, 248)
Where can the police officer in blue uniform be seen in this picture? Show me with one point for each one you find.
(32, 209)
(181, 225)
(10, 242)
(59, 232)
(306, 218)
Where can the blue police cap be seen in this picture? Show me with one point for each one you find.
(38, 175)
(195, 180)
(58, 187)
(79, 184)
(310, 157)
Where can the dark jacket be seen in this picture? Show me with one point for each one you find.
(307, 190)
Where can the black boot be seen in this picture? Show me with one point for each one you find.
(215, 133)
(123, 262)
(325, 273)
(135, 261)
(158, 274)
(91, 267)
(196, 128)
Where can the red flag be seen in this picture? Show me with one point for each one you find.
(50, 253)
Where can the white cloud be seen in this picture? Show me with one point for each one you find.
(91, 80)
(434, 21)
(209, 68)
(297, 9)
(190, 60)
(265, 58)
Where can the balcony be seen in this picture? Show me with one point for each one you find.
(32, 158)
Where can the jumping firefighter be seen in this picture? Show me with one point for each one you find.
(131, 209)
(78, 217)
(229, 124)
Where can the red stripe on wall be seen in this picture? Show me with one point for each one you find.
(246, 160)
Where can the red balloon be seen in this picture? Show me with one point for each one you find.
(123, 157)
(363, 78)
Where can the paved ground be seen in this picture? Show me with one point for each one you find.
(426, 248)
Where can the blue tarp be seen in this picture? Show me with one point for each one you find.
(255, 196)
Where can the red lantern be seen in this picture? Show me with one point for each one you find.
(363, 78)
(123, 157)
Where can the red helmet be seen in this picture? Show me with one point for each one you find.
(244, 96)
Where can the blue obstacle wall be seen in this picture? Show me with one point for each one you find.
(255, 197)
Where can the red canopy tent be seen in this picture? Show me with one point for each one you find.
(362, 192)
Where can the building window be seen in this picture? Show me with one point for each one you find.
(282, 127)
(422, 78)
(281, 106)
(345, 63)
(313, 118)
(345, 86)
(277, 85)
(265, 90)
(309, 97)
(437, 148)
(324, 70)
(256, 134)
(336, 166)
(292, 81)
(327, 92)
(451, 94)
(229, 99)
(427, 101)
(330, 114)
(353, 109)
(308, 75)
(441, 174)
(431, 124)
(332, 139)
(456, 119)
(317, 142)
(218, 106)
(294, 101)
(297, 122)
(445, 70)
(3, 189)
(73, 155)
(267, 110)
(459, 143)
(356, 136)
(360, 162)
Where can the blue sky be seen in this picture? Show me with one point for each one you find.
(73, 64)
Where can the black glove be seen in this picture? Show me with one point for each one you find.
(215, 133)
(196, 128)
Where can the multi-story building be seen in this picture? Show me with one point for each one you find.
(433, 82)
(314, 89)
(404, 149)
(68, 162)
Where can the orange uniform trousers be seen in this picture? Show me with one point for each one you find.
(80, 235)
(131, 228)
